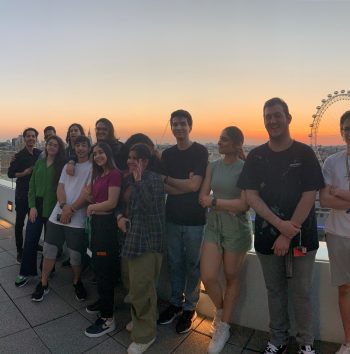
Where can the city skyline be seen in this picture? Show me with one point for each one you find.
(135, 62)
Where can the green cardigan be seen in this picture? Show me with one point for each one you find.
(42, 185)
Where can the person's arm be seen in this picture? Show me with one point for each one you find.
(206, 185)
(188, 185)
(328, 200)
(302, 210)
(285, 227)
(109, 204)
(15, 170)
(343, 194)
(172, 190)
(235, 206)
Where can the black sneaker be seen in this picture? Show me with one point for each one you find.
(184, 324)
(94, 308)
(40, 292)
(272, 349)
(19, 257)
(306, 349)
(100, 327)
(80, 292)
(169, 315)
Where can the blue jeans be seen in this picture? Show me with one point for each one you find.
(29, 259)
(184, 245)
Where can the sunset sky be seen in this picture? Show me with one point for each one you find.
(136, 61)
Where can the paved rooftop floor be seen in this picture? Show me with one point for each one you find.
(57, 324)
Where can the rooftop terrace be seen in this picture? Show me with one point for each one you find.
(57, 324)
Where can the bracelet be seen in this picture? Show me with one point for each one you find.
(62, 205)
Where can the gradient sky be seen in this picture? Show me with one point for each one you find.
(137, 61)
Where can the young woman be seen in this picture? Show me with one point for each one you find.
(41, 201)
(142, 219)
(336, 195)
(74, 130)
(227, 235)
(105, 189)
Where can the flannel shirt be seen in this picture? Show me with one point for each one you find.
(146, 211)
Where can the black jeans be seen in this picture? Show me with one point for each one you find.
(104, 247)
(21, 213)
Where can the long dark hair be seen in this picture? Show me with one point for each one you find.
(110, 128)
(110, 165)
(237, 137)
(82, 132)
(60, 157)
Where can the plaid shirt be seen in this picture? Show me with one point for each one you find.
(146, 211)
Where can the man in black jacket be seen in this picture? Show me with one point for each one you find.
(21, 168)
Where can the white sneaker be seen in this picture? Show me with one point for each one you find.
(138, 348)
(129, 326)
(344, 349)
(220, 337)
(216, 321)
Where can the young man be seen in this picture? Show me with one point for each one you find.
(336, 195)
(48, 131)
(67, 221)
(281, 178)
(21, 167)
(185, 165)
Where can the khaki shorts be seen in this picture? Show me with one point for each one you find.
(230, 232)
(339, 258)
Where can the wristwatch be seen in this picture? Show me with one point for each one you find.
(62, 205)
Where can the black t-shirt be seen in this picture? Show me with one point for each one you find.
(281, 178)
(23, 160)
(184, 209)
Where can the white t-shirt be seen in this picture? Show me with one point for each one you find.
(73, 186)
(335, 174)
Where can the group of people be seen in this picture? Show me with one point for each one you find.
(128, 201)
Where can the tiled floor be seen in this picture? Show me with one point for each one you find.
(57, 324)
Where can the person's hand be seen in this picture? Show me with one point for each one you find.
(70, 169)
(66, 214)
(206, 201)
(122, 223)
(33, 213)
(28, 171)
(137, 172)
(91, 209)
(281, 245)
(288, 228)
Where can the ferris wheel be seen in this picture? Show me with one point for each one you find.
(320, 111)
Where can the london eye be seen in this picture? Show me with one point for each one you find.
(332, 98)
